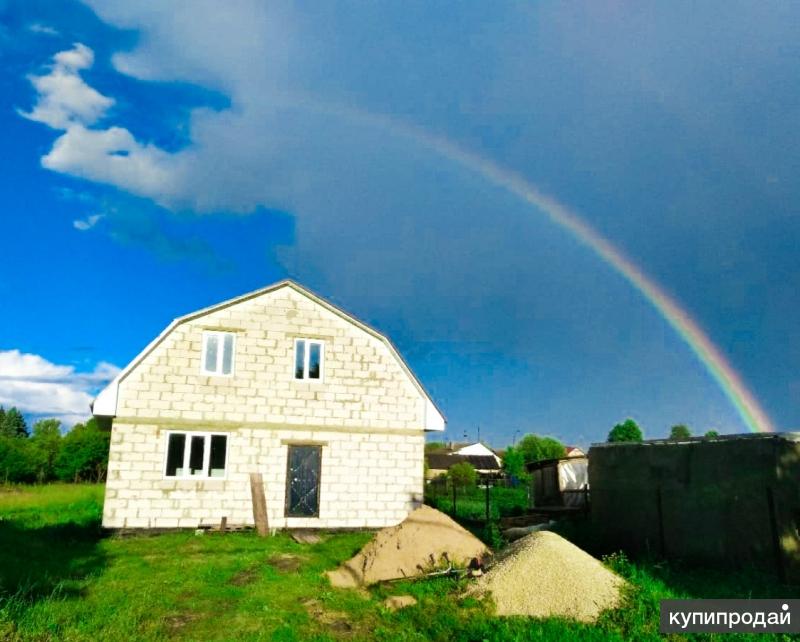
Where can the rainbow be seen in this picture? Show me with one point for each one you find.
(729, 381)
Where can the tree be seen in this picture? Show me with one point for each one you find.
(680, 431)
(462, 474)
(628, 430)
(536, 448)
(433, 446)
(710, 434)
(45, 445)
(13, 424)
(16, 462)
(514, 462)
(84, 453)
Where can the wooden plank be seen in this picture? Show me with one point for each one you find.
(522, 521)
(306, 537)
(259, 504)
(223, 524)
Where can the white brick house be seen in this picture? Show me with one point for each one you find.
(279, 382)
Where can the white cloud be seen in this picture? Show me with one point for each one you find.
(230, 164)
(64, 99)
(113, 156)
(109, 155)
(88, 223)
(46, 30)
(37, 386)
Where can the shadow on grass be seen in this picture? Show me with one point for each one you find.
(685, 577)
(704, 582)
(36, 562)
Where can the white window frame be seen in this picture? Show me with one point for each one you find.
(306, 356)
(187, 449)
(220, 334)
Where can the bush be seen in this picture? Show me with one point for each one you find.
(462, 474)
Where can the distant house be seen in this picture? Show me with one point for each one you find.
(476, 449)
(439, 463)
(482, 458)
(278, 382)
(574, 451)
(467, 448)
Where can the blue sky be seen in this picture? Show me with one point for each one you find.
(160, 157)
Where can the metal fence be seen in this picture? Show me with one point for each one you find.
(489, 500)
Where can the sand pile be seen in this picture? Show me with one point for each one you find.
(544, 575)
(426, 540)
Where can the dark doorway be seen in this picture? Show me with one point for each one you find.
(302, 481)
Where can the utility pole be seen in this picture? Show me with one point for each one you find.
(479, 433)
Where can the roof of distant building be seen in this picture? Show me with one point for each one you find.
(443, 461)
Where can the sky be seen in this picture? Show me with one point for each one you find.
(159, 157)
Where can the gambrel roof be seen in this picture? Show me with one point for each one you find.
(105, 404)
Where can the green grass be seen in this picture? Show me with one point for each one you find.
(471, 502)
(62, 579)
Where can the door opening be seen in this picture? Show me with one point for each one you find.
(302, 481)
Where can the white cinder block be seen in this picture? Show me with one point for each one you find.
(373, 414)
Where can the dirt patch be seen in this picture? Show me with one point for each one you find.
(333, 621)
(177, 622)
(544, 575)
(285, 563)
(426, 540)
(397, 602)
(244, 577)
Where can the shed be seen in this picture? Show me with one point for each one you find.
(560, 482)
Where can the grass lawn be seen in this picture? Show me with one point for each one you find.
(62, 579)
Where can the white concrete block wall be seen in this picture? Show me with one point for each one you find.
(366, 411)
(363, 385)
(368, 480)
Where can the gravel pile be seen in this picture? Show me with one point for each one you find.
(544, 575)
(425, 540)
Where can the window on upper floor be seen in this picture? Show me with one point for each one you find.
(217, 356)
(308, 355)
(196, 454)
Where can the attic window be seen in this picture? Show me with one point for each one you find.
(217, 353)
(308, 359)
(196, 454)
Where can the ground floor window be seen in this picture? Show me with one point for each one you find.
(196, 454)
(302, 481)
